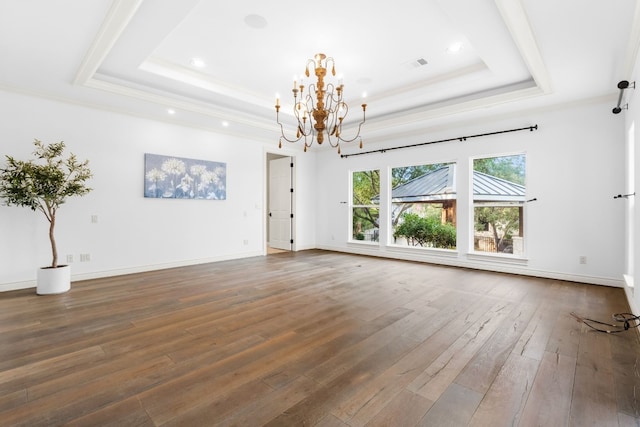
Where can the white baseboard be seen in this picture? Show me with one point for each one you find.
(441, 259)
(497, 265)
(6, 287)
(131, 270)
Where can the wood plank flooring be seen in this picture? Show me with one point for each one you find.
(315, 338)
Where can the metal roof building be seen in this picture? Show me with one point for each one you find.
(440, 185)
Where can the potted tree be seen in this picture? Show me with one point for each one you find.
(43, 184)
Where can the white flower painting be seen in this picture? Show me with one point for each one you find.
(168, 177)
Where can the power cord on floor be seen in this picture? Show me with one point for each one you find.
(626, 321)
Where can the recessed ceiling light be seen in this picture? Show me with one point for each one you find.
(225, 123)
(171, 111)
(197, 62)
(455, 47)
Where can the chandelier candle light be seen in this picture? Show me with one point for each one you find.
(323, 114)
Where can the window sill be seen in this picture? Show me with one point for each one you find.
(497, 258)
(442, 253)
(363, 242)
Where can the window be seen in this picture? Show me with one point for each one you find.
(365, 205)
(498, 198)
(423, 206)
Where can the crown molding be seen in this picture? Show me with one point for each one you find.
(517, 22)
(118, 18)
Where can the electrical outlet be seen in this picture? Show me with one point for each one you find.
(583, 259)
(94, 219)
(85, 257)
(69, 259)
(245, 242)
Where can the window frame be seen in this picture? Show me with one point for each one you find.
(352, 206)
(523, 220)
(390, 205)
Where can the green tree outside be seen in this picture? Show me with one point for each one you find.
(428, 231)
(509, 168)
(365, 213)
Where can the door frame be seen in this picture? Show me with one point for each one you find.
(270, 155)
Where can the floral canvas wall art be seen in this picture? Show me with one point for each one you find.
(169, 177)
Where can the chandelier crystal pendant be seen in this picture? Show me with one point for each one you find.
(319, 118)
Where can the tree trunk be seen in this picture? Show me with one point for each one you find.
(52, 239)
(496, 238)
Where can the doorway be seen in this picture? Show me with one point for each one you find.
(280, 203)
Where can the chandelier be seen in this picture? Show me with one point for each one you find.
(321, 117)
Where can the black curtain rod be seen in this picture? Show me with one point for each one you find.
(460, 138)
(622, 85)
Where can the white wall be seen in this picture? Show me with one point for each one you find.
(574, 164)
(573, 169)
(134, 233)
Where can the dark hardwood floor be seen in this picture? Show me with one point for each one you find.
(317, 338)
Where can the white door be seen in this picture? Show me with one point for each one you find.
(280, 196)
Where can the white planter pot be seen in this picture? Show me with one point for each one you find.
(53, 280)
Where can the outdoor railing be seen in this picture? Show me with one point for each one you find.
(488, 244)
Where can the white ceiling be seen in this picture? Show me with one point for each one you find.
(133, 56)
